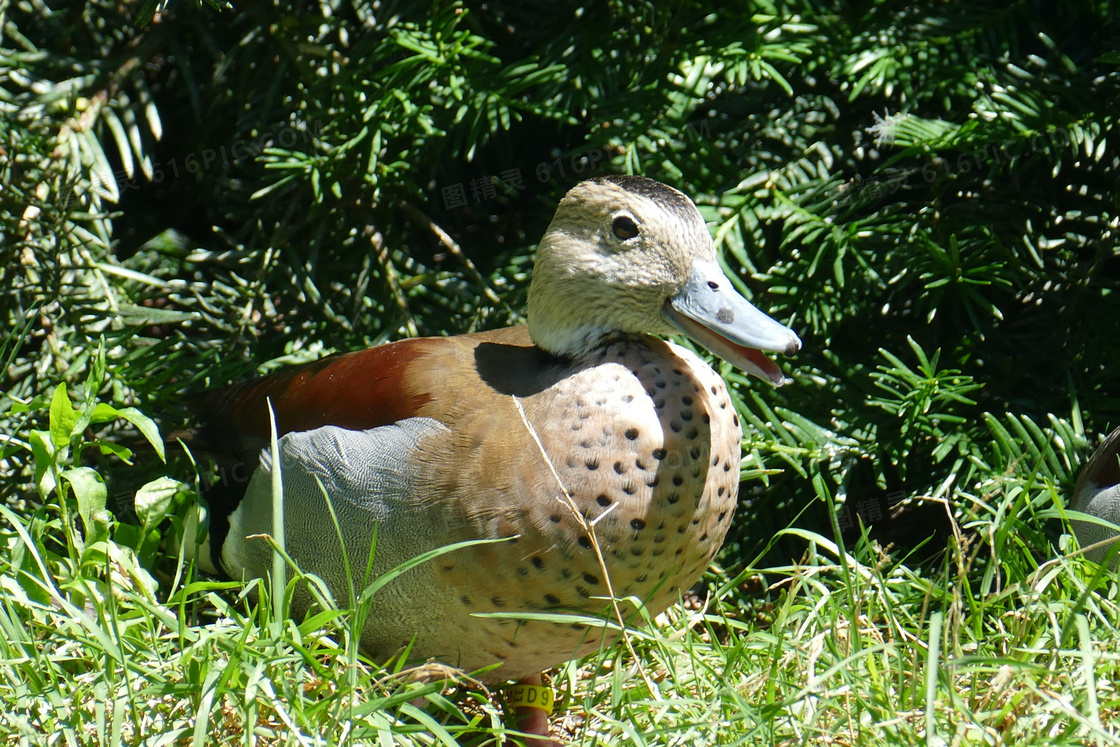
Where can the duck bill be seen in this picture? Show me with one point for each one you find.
(711, 313)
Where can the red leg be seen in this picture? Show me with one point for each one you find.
(530, 719)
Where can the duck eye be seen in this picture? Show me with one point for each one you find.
(624, 227)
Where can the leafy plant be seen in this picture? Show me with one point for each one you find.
(926, 192)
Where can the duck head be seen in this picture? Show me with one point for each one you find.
(629, 255)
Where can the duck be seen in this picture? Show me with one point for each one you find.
(1097, 493)
(569, 461)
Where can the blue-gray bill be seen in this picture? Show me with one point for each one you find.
(711, 313)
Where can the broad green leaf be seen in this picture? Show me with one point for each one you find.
(154, 500)
(120, 451)
(38, 402)
(43, 450)
(98, 528)
(147, 426)
(63, 417)
(103, 413)
(90, 492)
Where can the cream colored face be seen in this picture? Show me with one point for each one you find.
(633, 239)
(613, 255)
(629, 255)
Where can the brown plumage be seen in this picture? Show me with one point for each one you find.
(424, 440)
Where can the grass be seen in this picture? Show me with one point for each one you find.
(927, 193)
(108, 640)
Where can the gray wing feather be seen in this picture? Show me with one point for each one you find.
(1104, 504)
(370, 478)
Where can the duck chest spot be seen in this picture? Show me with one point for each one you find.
(648, 462)
(649, 457)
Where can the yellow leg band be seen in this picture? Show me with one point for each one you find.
(533, 696)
